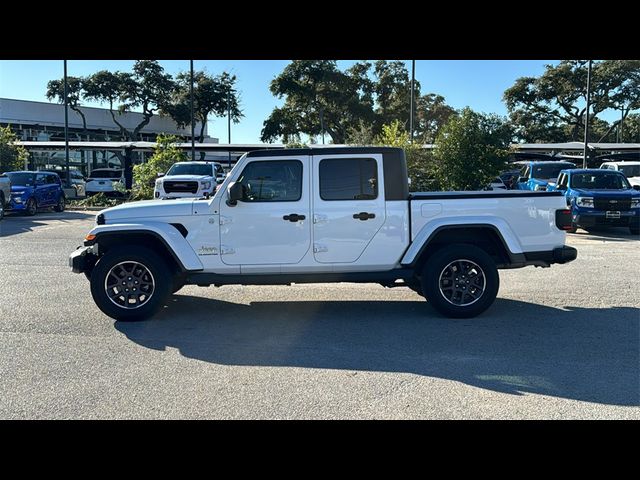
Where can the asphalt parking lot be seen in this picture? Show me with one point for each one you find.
(558, 343)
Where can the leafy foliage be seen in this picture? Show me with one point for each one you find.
(75, 90)
(12, 155)
(419, 161)
(212, 95)
(165, 154)
(470, 151)
(552, 107)
(351, 106)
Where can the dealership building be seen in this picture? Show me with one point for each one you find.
(44, 122)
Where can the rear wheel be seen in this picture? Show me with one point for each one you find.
(32, 207)
(460, 281)
(60, 205)
(130, 283)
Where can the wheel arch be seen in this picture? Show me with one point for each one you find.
(485, 236)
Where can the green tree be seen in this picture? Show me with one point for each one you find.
(552, 107)
(12, 154)
(432, 113)
(318, 98)
(212, 95)
(165, 154)
(75, 91)
(470, 150)
(147, 88)
(419, 161)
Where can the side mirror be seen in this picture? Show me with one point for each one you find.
(159, 175)
(522, 179)
(636, 187)
(235, 192)
(220, 179)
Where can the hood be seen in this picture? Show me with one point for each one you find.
(608, 193)
(20, 189)
(190, 178)
(149, 208)
(634, 180)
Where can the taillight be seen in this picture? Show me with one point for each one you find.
(563, 219)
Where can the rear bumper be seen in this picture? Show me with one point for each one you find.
(560, 255)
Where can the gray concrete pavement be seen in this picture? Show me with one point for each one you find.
(558, 343)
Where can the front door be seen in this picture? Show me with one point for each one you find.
(271, 224)
(41, 191)
(348, 205)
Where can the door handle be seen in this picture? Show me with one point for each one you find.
(293, 217)
(364, 216)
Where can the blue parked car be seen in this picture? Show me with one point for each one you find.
(33, 190)
(600, 197)
(536, 175)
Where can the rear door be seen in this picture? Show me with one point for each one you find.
(271, 224)
(41, 191)
(348, 205)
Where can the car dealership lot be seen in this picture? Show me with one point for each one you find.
(563, 343)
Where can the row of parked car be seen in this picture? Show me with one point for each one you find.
(598, 197)
(27, 192)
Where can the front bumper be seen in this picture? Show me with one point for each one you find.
(599, 218)
(17, 207)
(82, 259)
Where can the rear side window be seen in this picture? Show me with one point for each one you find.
(277, 181)
(52, 179)
(348, 179)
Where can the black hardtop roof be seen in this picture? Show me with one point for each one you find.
(321, 151)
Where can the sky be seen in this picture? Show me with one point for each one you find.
(478, 84)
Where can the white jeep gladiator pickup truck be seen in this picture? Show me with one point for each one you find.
(337, 214)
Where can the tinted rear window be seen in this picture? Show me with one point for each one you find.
(106, 174)
(348, 179)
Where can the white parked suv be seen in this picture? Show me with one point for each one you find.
(312, 215)
(189, 180)
(631, 170)
(105, 180)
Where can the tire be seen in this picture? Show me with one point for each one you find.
(60, 205)
(634, 230)
(128, 259)
(32, 207)
(461, 303)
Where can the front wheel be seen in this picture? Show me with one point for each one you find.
(32, 207)
(460, 281)
(130, 283)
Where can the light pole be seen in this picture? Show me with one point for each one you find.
(229, 122)
(193, 144)
(586, 117)
(66, 125)
(411, 107)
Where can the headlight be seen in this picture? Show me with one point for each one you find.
(205, 185)
(17, 198)
(586, 202)
(635, 202)
(158, 184)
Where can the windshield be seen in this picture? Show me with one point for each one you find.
(630, 170)
(22, 179)
(599, 181)
(549, 170)
(190, 169)
(106, 174)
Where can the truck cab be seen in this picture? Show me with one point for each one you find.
(631, 170)
(325, 214)
(536, 176)
(600, 198)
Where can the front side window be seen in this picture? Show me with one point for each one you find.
(267, 181)
(348, 179)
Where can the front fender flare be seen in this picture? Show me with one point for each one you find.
(177, 245)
